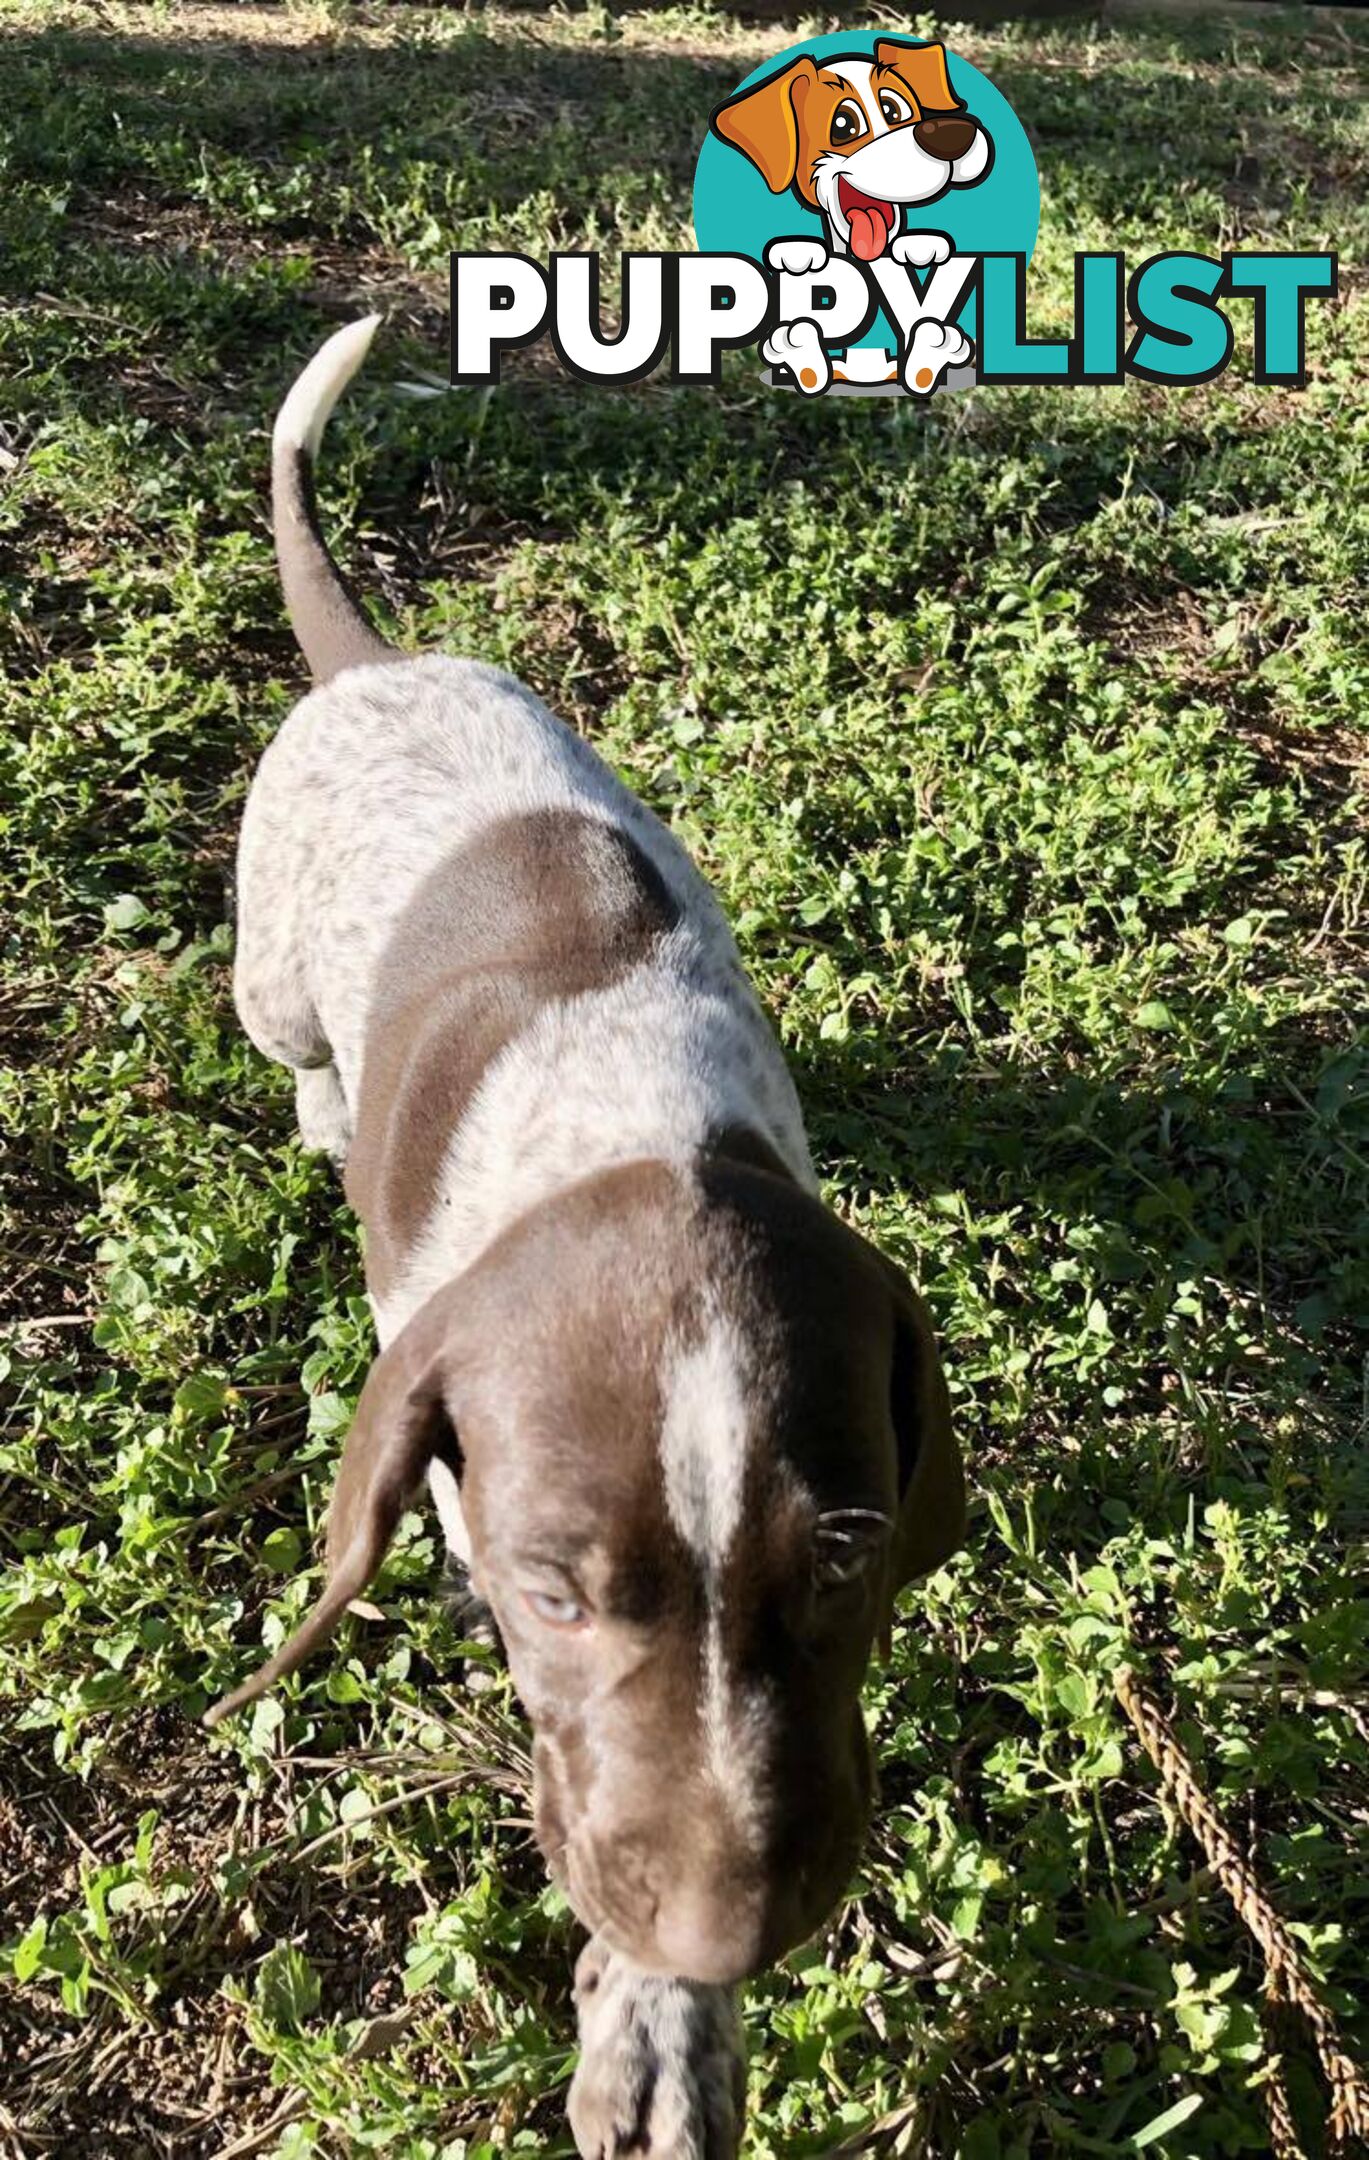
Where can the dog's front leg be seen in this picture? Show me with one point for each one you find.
(797, 346)
(921, 250)
(932, 350)
(321, 1112)
(662, 2064)
(933, 346)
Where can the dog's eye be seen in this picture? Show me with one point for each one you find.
(894, 107)
(835, 1565)
(562, 1612)
(848, 121)
(845, 1542)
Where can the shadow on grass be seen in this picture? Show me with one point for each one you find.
(1249, 1177)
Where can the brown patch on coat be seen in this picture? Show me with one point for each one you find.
(541, 908)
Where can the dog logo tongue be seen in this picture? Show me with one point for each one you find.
(868, 232)
(871, 222)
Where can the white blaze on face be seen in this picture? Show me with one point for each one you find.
(859, 75)
(704, 1443)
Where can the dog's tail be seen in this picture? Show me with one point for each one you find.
(325, 615)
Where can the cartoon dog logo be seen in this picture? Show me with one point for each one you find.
(861, 140)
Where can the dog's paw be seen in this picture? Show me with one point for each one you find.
(932, 348)
(798, 347)
(799, 257)
(920, 250)
(477, 1624)
(662, 2064)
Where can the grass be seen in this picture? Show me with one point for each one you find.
(1024, 740)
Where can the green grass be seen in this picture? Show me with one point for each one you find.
(1024, 740)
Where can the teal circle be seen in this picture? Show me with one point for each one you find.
(736, 214)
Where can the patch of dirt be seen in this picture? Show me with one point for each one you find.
(349, 278)
(1335, 760)
(101, 2081)
(1169, 633)
(1165, 629)
(180, 2082)
(347, 281)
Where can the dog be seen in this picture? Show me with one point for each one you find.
(861, 140)
(687, 1432)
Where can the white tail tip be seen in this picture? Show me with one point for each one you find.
(304, 415)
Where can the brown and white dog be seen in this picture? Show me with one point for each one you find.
(688, 1432)
(861, 140)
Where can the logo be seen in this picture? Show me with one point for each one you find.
(866, 208)
(871, 173)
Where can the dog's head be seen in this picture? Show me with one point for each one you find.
(857, 138)
(702, 1439)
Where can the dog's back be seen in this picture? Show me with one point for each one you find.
(373, 782)
(513, 971)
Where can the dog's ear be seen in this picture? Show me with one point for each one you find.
(401, 1422)
(931, 1480)
(763, 123)
(922, 71)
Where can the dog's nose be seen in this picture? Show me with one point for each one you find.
(945, 135)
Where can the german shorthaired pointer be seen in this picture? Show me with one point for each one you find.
(687, 1432)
